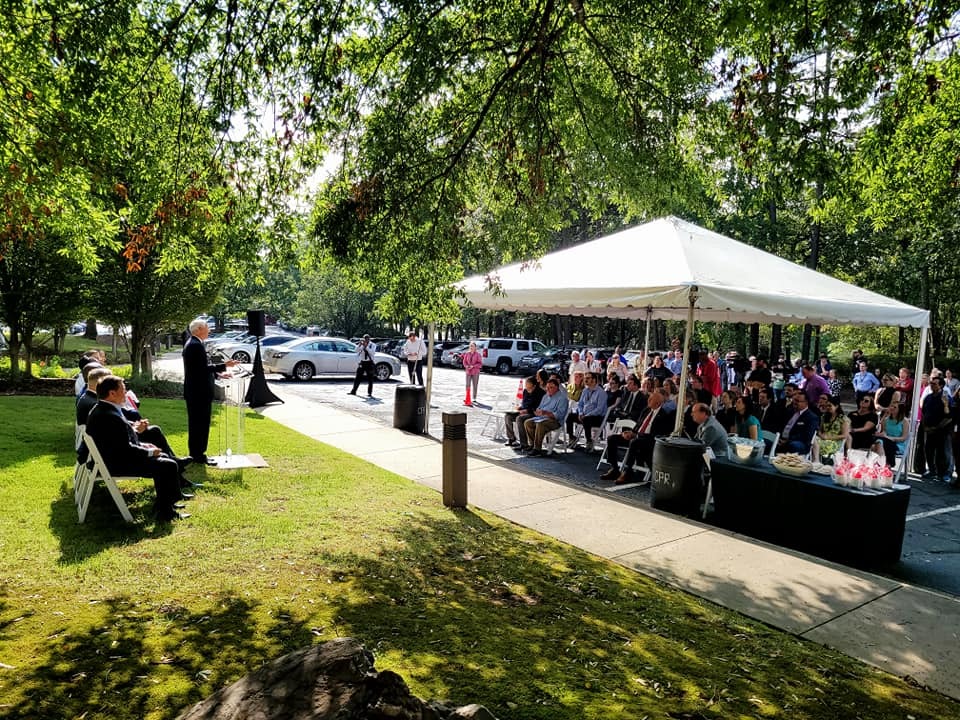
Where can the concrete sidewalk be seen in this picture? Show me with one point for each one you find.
(904, 630)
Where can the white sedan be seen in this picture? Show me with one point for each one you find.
(304, 358)
(244, 352)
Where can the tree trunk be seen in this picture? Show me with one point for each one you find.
(776, 341)
(14, 356)
(740, 338)
(58, 337)
(27, 359)
(805, 345)
(91, 332)
(754, 339)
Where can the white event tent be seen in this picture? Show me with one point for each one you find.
(672, 269)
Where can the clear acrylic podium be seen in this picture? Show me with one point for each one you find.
(230, 390)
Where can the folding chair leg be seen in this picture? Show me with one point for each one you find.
(118, 499)
(603, 457)
(83, 501)
(709, 498)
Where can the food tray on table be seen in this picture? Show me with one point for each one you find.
(792, 464)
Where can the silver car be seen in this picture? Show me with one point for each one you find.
(244, 352)
(304, 358)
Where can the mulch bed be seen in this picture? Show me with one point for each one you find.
(38, 386)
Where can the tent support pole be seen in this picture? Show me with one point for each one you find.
(907, 463)
(685, 370)
(426, 417)
(646, 344)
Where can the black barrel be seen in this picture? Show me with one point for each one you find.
(677, 475)
(410, 408)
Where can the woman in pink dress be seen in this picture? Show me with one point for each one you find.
(472, 364)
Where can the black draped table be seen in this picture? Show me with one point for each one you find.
(811, 513)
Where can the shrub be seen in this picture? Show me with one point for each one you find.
(156, 388)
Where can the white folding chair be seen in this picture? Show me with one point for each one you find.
(774, 439)
(616, 429)
(554, 436)
(80, 471)
(495, 414)
(100, 471)
(599, 441)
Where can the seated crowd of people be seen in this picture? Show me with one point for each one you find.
(804, 410)
(128, 444)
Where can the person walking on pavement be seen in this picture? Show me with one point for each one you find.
(365, 351)
(198, 376)
(415, 350)
(472, 364)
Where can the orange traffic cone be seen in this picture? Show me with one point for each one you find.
(520, 392)
(467, 399)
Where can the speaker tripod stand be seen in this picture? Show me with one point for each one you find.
(258, 394)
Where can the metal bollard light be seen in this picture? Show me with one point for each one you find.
(455, 460)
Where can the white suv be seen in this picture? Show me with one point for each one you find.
(504, 354)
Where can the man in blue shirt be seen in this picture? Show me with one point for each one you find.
(590, 410)
(547, 417)
(674, 362)
(865, 382)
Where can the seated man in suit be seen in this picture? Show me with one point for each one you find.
(633, 404)
(88, 399)
(800, 429)
(710, 432)
(124, 454)
(768, 412)
(654, 423)
(151, 434)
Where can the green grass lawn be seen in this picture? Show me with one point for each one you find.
(105, 620)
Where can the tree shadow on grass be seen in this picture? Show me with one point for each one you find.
(103, 526)
(533, 628)
(109, 669)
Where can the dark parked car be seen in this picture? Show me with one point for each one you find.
(558, 360)
(440, 345)
(553, 359)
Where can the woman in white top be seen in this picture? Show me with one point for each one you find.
(615, 366)
(593, 365)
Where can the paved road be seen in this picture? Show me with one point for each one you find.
(931, 544)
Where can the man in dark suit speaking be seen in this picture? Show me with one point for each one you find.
(198, 375)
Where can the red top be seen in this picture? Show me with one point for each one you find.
(708, 372)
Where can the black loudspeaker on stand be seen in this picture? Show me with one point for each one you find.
(256, 323)
(258, 394)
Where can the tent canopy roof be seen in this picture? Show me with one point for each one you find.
(656, 265)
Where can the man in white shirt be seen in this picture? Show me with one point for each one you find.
(415, 350)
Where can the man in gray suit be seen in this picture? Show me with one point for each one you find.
(710, 432)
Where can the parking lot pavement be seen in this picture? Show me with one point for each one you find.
(931, 543)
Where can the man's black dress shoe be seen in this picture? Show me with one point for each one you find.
(211, 461)
(184, 495)
(182, 462)
(179, 506)
(171, 515)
